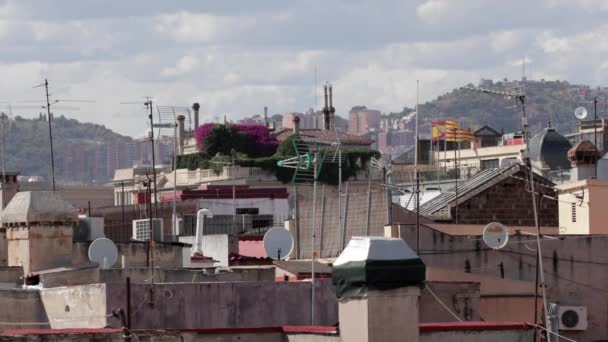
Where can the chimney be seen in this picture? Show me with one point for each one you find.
(332, 110)
(583, 159)
(180, 134)
(296, 124)
(374, 305)
(195, 108)
(266, 116)
(325, 110)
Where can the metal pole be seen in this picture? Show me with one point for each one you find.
(417, 212)
(369, 201)
(174, 213)
(543, 285)
(595, 128)
(128, 303)
(122, 203)
(340, 246)
(322, 224)
(3, 166)
(149, 105)
(416, 130)
(149, 259)
(48, 111)
(343, 237)
(456, 182)
(314, 205)
(296, 220)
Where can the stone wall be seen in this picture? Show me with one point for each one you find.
(37, 248)
(81, 306)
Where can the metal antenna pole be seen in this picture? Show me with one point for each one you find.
(456, 179)
(416, 130)
(174, 213)
(417, 212)
(148, 104)
(543, 285)
(314, 217)
(3, 165)
(48, 110)
(595, 128)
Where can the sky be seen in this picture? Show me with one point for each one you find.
(235, 57)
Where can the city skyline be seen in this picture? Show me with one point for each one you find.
(236, 58)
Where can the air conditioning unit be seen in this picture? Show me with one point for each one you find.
(572, 317)
(141, 229)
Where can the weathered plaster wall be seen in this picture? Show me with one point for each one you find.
(136, 253)
(227, 305)
(39, 247)
(23, 308)
(463, 298)
(76, 306)
(146, 275)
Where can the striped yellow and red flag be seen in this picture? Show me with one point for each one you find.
(438, 130)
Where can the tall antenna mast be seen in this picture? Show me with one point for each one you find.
(416, 128)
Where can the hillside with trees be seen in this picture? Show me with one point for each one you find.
(546, 101)
(27, 143)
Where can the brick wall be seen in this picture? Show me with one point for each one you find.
(508, 202)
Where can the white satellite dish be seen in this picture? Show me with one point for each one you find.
(495, 235)
(103, 252)
(580, 113)
(278, 243)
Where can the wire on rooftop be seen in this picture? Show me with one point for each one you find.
(442, 304)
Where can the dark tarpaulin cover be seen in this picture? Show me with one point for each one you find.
(353, 279)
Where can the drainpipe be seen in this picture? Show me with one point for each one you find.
(197, 248)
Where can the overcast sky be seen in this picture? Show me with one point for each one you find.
(235, 57)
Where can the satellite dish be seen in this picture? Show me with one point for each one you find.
(103, 252)
(495, 235)
(580, 113)
(278, 243)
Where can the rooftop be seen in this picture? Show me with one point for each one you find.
(38, 206)
(318, 135)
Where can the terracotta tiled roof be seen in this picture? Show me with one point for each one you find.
(318, 135)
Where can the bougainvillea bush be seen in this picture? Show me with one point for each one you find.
(252, 140)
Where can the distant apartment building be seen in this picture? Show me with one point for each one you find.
(308, 120)
(363, 120)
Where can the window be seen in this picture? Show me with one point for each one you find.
(247, 211)
(573, 212)
(489, 164)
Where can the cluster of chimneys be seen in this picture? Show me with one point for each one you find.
(329, 121)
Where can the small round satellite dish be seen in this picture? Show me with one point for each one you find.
(495, 235)
(580, 113)
(103, 252)
(278, 243)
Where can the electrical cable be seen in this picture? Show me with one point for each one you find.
(442, 304)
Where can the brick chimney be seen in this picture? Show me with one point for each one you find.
(181, 134)
(296, 124)
(195, 108)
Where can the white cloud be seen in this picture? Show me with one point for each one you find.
(200, 28)
(185, 65)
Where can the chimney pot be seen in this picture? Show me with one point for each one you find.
(195, 108)
(296, 124)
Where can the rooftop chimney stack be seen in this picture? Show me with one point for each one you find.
(583, 159)
(332, 110)
(181, 133)
(296, 124)
(325, 110)
(195, 108)
(266, 116)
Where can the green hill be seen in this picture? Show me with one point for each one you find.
(553, 101)
(27, 145)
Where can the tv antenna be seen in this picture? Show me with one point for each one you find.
(103, 252)
(278, 243)
(495, 235)
(521, 98)
(46, 104)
